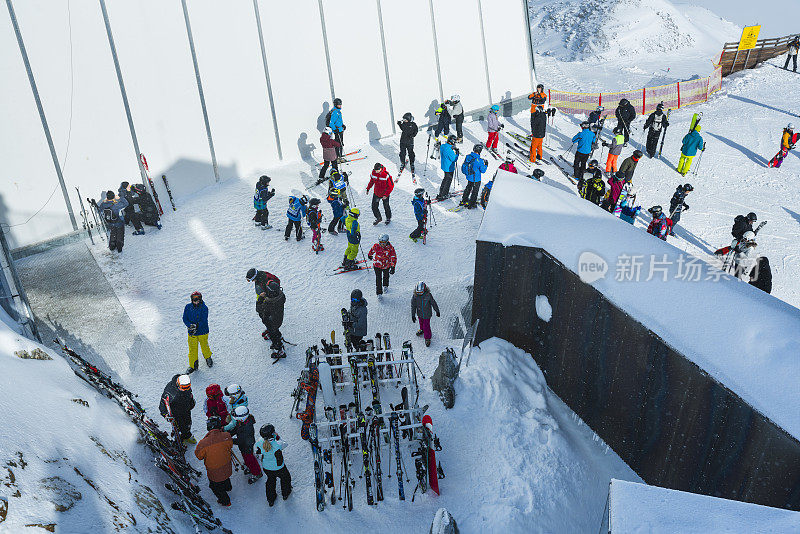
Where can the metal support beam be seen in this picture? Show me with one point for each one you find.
(269, 84)
(200, 90)
(436, 52)
(527, 20)
(386, 67)
(485, 56)
(327, 50)
(42, 117)
(26, 317)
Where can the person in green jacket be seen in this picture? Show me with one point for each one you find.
(692, 142)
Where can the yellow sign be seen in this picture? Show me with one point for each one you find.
(749, 37)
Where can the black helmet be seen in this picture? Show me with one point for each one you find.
(752, 217)
(655, 211)
(540, 86)
(337, 101)
(356, 295)
(304, 200)
(477, 148)
(267, 431)
(618, 130)
(265, 179)
(213, 423)
(452, 139)
(538, 173)
(377, 167)
(419, 192)
(638, 154)
(251, 274)
(584, 125)
(273, 289)
(408, 117)
(688, 187)
(593, 164)
(619, 175)
(624, 102)
(110, 195)
(314, 202)
(660, 106)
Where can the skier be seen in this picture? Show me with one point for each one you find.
(295, 214)
(235, 397)
(793, 47)
(615, 183)
(614, 149)
(660, 225)
(260, 198)
(195, 317)
(384, 184)
(761, 275)
(538, 131)
(422, 305)
(456, 111)
(625, 114)
(594, 116)
(176, 406)
(215, 451)
(270, 306)
(788, 141)
(215, 405)
(409, 130)
(692, 142)
(358, 312)
(473, 167)
(443, 125)
(628, 166)
(744, 254)
(242, 428)
(537, 174)
(111, 210)
(261, 279)
(595, 187)
(537, 98)
(330, 153)
(677, 204)
(269, 450)
(353, 239)
(594, 172)
(742, 224)
(314, 218)
(420, 213)
(656, 122)
(449, 157)
(133, 210)
(493, 126)
(584, 138)
(508, 164)
(384, 261)
(626, 198)
(335, 123)
(337, 198)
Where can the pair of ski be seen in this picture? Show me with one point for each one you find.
(146, 168)
(729, 251)
(361, 265)
(413, 173)
(341, 159)
(449, 196)
(568, 175)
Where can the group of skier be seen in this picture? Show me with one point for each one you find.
(132, 204)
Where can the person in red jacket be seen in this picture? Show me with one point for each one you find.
(384, 184)
(384, 260)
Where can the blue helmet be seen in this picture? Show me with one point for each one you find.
(495, 108)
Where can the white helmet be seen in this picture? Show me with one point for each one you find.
(749, 236)
(240, 413)
(456, 98)
(790, 126)
(420, 289)
(328, 130)
(233, 390)
(384, 238)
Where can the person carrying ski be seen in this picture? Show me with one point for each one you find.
(270, 306)
(538, 131)
(742, 224)
(615, 183)
(456, 111)
(295, 214)
(420, 213)
(235, 397)
(628, 166)
(409, 130)
(449, 156)
(195, 317)
(133, 210)
(111, 209)
(358, 312)
(594, 116)
(761, 275)
(625, 114)
(584, 138)
(314, 218)
(337, 126)
(657, 123)
(353, 239)
(260, 198)
(260, 279)
(538, 98)
(176, 406)
(443, 124)
(242, 428)
(473, 167)
(269, 450)
(614, 149)
(660, 225)
(788, 141)
(595, 188)
(744, 254)
(384, 261)
(384, 185)
(215, 451)
(493, 126)
(791, 53)
(692, 142)
(330, 152)
(215, 405)
(422, 306)
(337, 198)
(677, 204)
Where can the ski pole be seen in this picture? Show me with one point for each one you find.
(567, 151)
(699, 161)
(427, 155)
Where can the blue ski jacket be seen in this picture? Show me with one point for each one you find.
(448, 156)
(473, 167)
(297, 210)
(584, 139)
(336, 123)
(337, 206)
(269, 461)
(261, 196)
(419, 208)
(692, 142)
(196, 315)
(113, 217)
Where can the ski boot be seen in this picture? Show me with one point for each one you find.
(209, 362)
(253, 479)
(189, 441)
(192, 368)
(376, 221)
(266, 226)
(427, 342)
(419, 332)
(278, 354)
(138, 232)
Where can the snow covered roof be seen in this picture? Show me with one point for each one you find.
(745, 338)
(638, 507)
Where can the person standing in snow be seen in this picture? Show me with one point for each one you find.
(420, 214)
(358, 313)
(626, 198)
(314, 219)
(409, 130)
(337, 126)
(456, 111)
(384, 261)
(260, 198)
(594, 116)
(614, 149)
(133, 212)
(508, 164)
(742, 225)
(269, 450)
(384, 185)
(625, 115)
(422, 306)
(615, 183)
(195, 317)
(788, 140)
(353, 228)
(584, 138)
(215, 405)
(260, 279)
(337, 198)
(538, 98)
(493, 126)
(242, 428)
(593, 171)
(761, 275)
(677, 204)
(629, 164)
(443, 124)
(176, 406)
(473, 168)
(692, 142)
(235, 397)
(330, 153)
(660, 225)
(270, 307)
(215, 451)
(111, 209)
(538, 132)
(295, 214)
(448, 156)
(594, 189)
(791, 54)
(656, 122)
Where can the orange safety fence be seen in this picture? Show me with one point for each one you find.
(675, 95)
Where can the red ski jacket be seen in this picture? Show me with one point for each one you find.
(508, 167)
(382, 181)
(385, 256)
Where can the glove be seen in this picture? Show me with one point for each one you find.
(391, 269)
(343, 129)
(603, 143)
(399, 123)
(644, 127)
(438, 314)
(192, 329)
(368, 256)
(686, 207)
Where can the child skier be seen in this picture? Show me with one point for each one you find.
(614, 149)
(215, 405)
(420, 213)
(337, 206)
(358, 312)
(627, 197)
(615, 183)
(242, 428)
(235, 397)
(677, 204)
(269, 450)
(295, 214)
(314, 218)
(660, 225)
(260, 198)
(594, 173)
(353, 239)
(337, 198)
(270, 307)
(788, 140)
(384, 260)
(494, 127)
(508, 164)
(330, 154)
(422, 305)
(384, 184)
(692, 142)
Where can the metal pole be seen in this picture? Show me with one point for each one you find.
(436, 52)
(386, 67)
(527, 20)
(485, 56)
(269, 84)
(200, 90)
(38, 100)
(327, 51)
(21, 295)
(122, 90)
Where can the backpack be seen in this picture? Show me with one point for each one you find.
(466, 167)
(110, 216)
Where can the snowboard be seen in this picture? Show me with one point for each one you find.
(308, 415)
(326, 383)
(433, 478)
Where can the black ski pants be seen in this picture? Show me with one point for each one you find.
(221, 490)
(183, 422)
(459, 121)
(407, 148)
(381, 280)
(262, 217)
(444, 188)
(418, 230)
(286, 483)
(652, 141)
(116, 237)
(793, 58)
(443, 124)
(470, 196)
(133, 217)
(376, 200)
(332, 164)
(298, 229)
(339, 136)
(579, 165)
(626, 131)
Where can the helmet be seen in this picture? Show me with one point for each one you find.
(377, 167)
(327, 130)
(408, 117)
(749, 236)
(196, 296)
(304, 200)
(752, 217)
(593, 164)
(234, 390)
(240, 413)
(421, 287)
(356, 295)
(355, 212)
(265, 179)
(452, 139)
(418, 192)
(213, 423)
(267, 431)
(624, 102)
(213, 390)
(314, 202)
(509, 158)
(495, 108)
(337, 101)
(600, 108)
(110, 195)
(538, 173)
(660, 106)
(273, 289)
(618, 130)
(790, 126)
(619, 175)
(384, 238)
(688, 187)
(540, 86)
(655, 211)
(184, 383)
(697, 128)
(638, 154)
(455, 98)
(584, 125)
(251, 274)
(477, 148)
